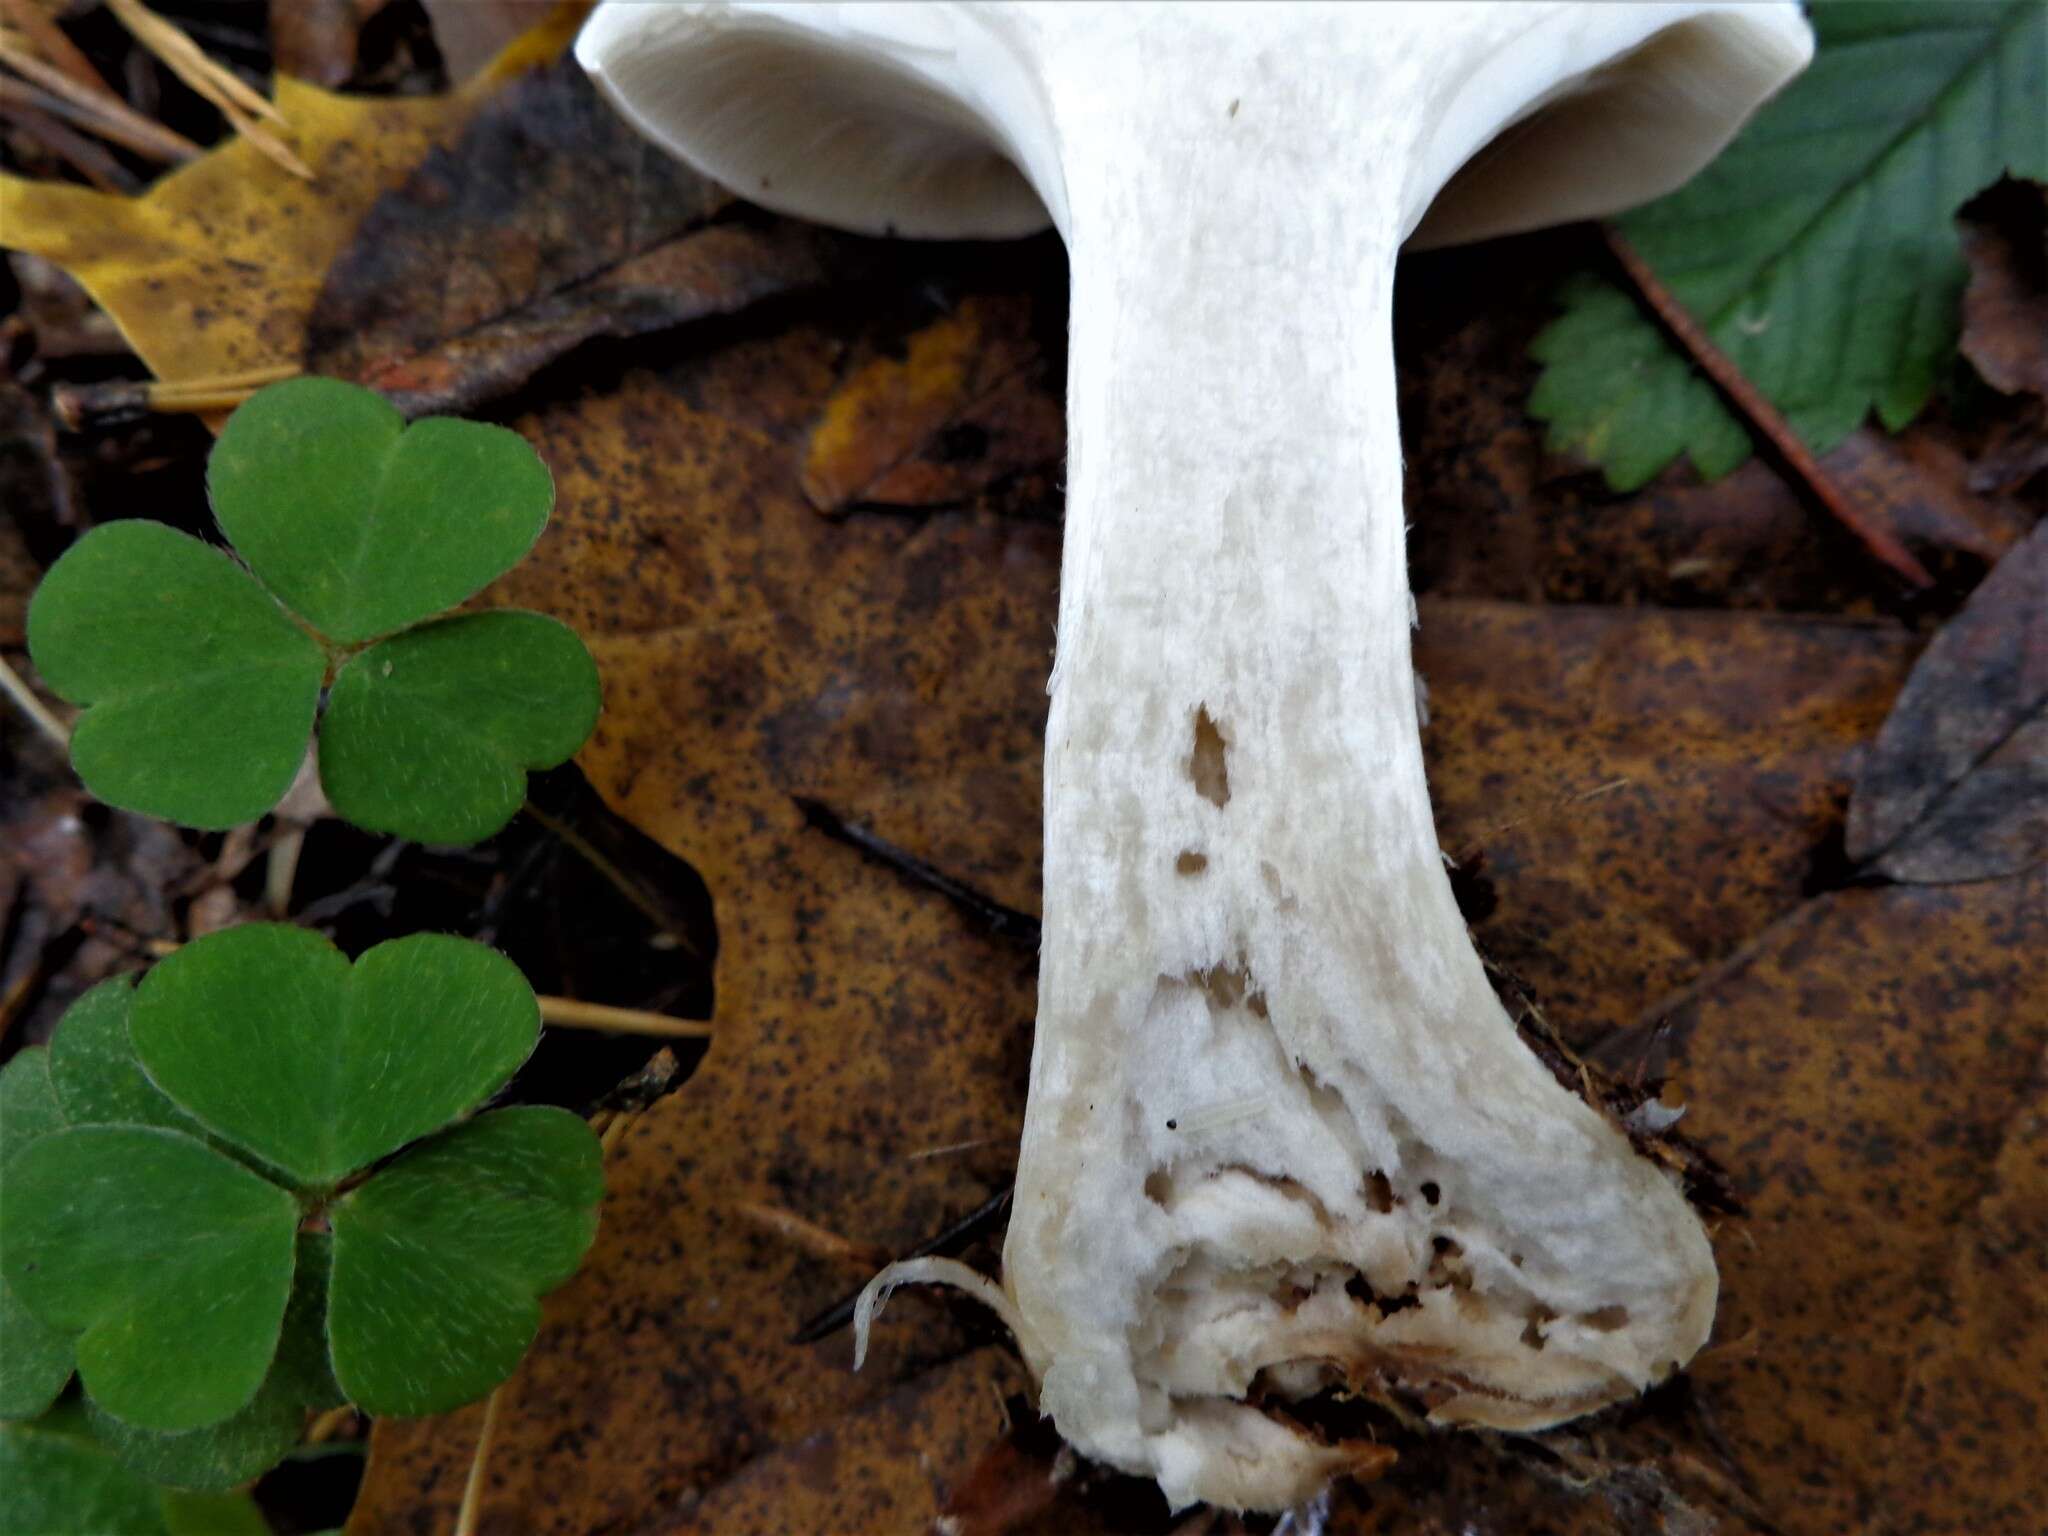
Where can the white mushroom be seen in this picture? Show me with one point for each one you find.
(1281, 1135)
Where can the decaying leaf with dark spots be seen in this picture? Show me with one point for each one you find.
(1630, 793)
(1956, 785)
(1870, 1071)
(972, 399)
(550, 223)
(891, 1467)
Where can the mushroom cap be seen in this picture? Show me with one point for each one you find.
(933, 120)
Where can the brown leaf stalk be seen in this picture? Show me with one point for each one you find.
(1763, 417)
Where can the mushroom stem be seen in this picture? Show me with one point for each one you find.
(1272, 1087)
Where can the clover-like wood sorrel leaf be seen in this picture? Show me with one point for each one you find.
(29, 1108)
(59, 1477)
(198, 690)
(272, 1040)
(303, 1368)
(249, 1441)
(361, 524)
(440, 1259)
(430, 734)
(93, 1068)
(257, 1436)
(170, 1262)
(35, 1359)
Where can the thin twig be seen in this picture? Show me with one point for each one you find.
(36, 113)
(79, 406)
(1004, 922)
(16, 687)
(40, 30)
(1762, 415)
(473, 1486)
(104, 114)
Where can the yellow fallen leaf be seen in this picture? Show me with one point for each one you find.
(213, 271)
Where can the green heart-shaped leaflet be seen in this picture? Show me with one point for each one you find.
(56, 1476)
(258, 1435)
(93, 1068)
(273, 1041)
(198, 690)
(440, 1260)
(430, 734)
(170, 1262)
(35, 1359)
(362, 524)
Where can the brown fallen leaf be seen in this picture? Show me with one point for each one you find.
(1631, 793)
(971, 399)
(315, 40)
(1956, 785)
(890, 1467)
(866, 1072)
(1869, 1068)
(547, 224)
(2005, 306)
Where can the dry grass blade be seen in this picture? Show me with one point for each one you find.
(23, 697)
(245, 108)
(49, 41)
(100, 111)
(573, 1013)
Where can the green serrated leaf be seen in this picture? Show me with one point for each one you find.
(271, 1039)
(35, 1359)
(362, 524)
(440, 1260)
(1819, 251)
(199, 691)
(170, 1263)
(94, 1070)
(430, 735)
